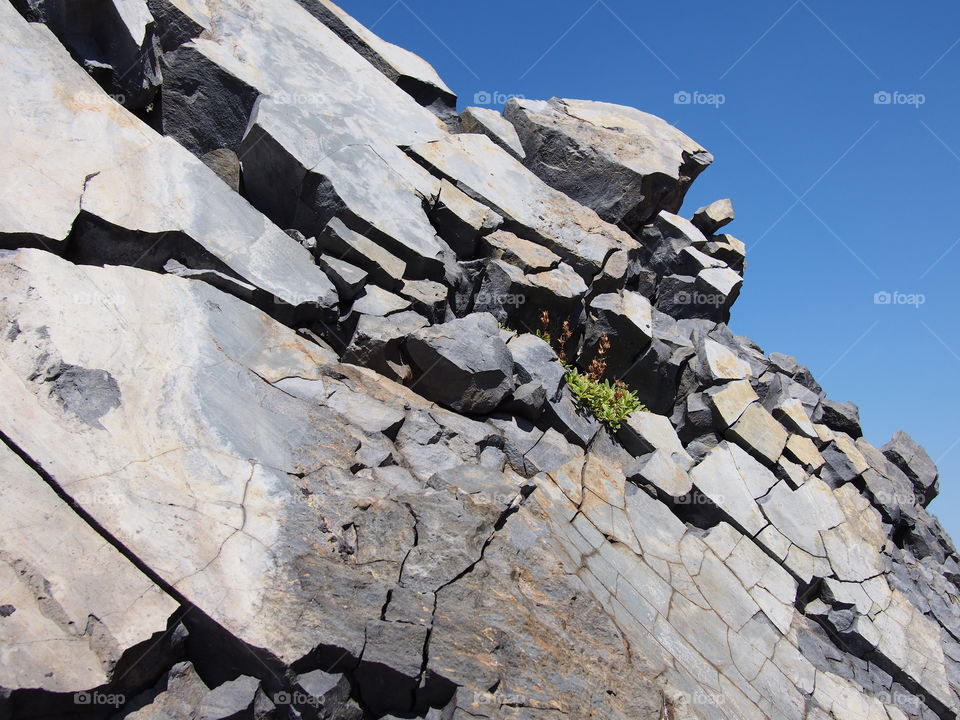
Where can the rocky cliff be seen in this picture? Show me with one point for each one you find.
(286, 431)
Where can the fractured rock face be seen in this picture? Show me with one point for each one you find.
(913, 460)
(110, 167)
(279, 437)
(59, 631)
(114, 40)
(531, 208)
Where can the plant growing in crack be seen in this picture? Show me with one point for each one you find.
(610, 402)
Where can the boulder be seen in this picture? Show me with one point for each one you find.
(840, 416)
(728, 249)
(462, 220)
(913, 460)
(523, 254)
(714, 216)
(377, 343)
(520, 299)
(180, 694)
(343, 243)
(376, 301)
(348, 279)
(463, 364)
(209, 121)
(623, 163)
(232, 700)
(428, 298)
(760, 434)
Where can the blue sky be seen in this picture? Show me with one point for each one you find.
(840, 193)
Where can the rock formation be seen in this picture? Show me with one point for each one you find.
(285, 426)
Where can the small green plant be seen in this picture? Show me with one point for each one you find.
(610, 402)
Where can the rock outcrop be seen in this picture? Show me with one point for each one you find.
(287, 431)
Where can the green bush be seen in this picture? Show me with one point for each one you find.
(611, 403)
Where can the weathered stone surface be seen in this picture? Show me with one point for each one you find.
(645, 432)
(463, 364)
(378, 302)
(225, 163)
(662, 472)
(97, 160)
(525, 255)
(377, 343)
(114, 40)
(345, 244)
(411, 73)
(626, 316)
(496, 127)
(839, 416)
(462, 220)
(718, 364)
(60, 631)
(348, 279)
(719, 477)
(213, 121)
(625, 164)
(913, 460)
(321, 542)
(759, 434)
(180, 694)
(485, 171)
(232, 699)
(728, 249)
(731, 400)
(520, 299)
(714, 216)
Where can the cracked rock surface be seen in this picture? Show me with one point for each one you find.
(285, 432)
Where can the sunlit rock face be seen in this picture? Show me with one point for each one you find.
(291, 425)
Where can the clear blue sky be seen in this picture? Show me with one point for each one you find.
(837, 197)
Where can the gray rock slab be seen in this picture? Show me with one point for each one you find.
(625, 164)
(463, 364)
(496, 127)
